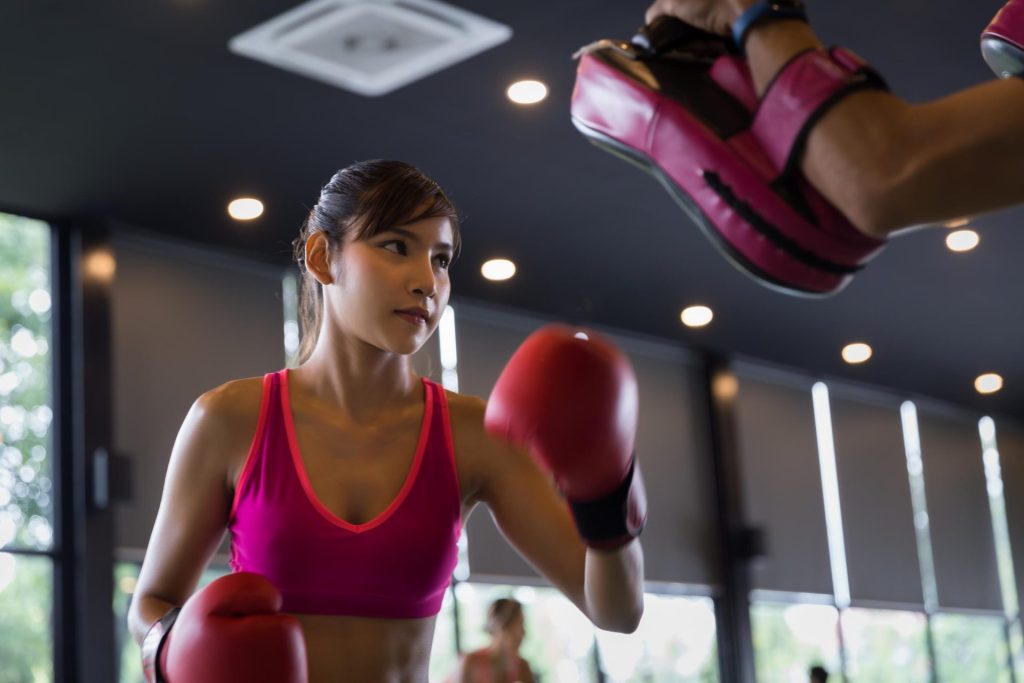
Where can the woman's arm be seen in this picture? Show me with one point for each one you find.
(888, 164)
(606, 585)
(195, 504)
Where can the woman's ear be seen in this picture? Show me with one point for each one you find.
(318, 257)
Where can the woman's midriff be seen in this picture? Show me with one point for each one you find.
(362, 650)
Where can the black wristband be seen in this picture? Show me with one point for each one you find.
(762, 12)
(605, 522)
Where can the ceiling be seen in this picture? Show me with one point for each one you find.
(138, 113)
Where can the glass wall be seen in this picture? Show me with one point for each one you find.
(971, 648)
(26, 480)
(675, 643)
(791, 638)
(881, 645)
(26, 636)
(886, 646)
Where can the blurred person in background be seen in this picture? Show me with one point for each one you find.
(498, 662)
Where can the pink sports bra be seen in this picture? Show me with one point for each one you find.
(397, 565)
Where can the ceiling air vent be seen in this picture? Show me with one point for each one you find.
(369, 46)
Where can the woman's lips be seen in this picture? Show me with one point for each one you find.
(411, 318)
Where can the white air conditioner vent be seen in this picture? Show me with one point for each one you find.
(369, 46)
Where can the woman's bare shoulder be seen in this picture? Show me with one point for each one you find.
(230, 409)
(222, 423)
(467, 412)
(470, 442)
(480, 457)
(468, 432)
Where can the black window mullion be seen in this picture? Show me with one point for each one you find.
(737, 543)
(65, 616)
(92, 253)
(84, 648)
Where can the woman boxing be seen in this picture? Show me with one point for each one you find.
(344, 482)
(499, 662)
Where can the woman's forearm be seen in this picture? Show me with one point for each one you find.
(888, 164)
(144, 612)
(614, 587)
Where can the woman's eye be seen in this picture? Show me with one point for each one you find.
(396, 246)
(445, 261)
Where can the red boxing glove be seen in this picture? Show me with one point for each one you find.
(229, 632)
(1002, 41)
(570, 398)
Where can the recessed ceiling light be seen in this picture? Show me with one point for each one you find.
(989, 383)
(527, 92)
(696, 316)
(498, 269)
(245, 209)
(857, 352)
(962, 240)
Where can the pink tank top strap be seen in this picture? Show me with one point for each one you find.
(443, 422)
(271, 382)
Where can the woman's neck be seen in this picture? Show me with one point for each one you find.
(357, 378)
(504, 651)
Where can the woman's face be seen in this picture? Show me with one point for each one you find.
(390, 290)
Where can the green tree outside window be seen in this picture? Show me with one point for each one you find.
(26, 486)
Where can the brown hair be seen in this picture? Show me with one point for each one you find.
(363, 200)
(502, 613)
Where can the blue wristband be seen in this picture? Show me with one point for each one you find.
(765, 10)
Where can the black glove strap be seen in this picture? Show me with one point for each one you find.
(763, 12)
(604, 522)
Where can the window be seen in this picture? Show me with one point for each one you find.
(443, 656)
(886, 646)
(26, 484)
(125, 576)
(675, 643)
(970, 648)
(790, 639)
(25, 609)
